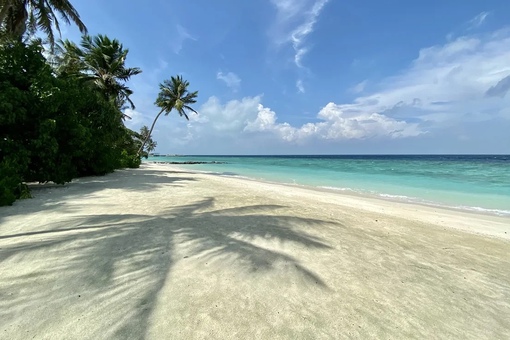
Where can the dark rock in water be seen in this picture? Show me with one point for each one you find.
(190, 162)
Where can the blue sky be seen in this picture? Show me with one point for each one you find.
(319, 76)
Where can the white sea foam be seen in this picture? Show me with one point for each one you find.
(416, 200)
(402, 197)
(339, 189)
(499, 212)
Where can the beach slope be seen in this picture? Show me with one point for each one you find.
(163, 253)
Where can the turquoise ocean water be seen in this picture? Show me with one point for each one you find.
(468, 182)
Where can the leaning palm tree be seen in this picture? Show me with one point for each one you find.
(19, 16)
(173, 94)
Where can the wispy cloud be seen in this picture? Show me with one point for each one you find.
(462, 80)
(360, 87)
(478, 20)
(179, 39)
(300, 86)
(295, 22)
(231, 79)
(135, 120)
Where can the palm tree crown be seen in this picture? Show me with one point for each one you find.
(100, 61)
(19, 16)
(174, 94)
(104, 60)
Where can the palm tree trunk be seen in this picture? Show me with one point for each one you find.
(150, 132)
(14, 16)
(18, 26)
(5, 10)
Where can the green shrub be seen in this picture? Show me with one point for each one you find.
(54, 128)
(9, 183)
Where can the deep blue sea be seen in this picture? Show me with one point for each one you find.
(468, 182)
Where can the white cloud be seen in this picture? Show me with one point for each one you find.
(295, 21)
(335, 124)
(229, 118)
(231, 79)
(478, 20)
(238, 117)
(137, 119)
(362, 125)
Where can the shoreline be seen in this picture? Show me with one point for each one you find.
(361, 193)
(384, 203)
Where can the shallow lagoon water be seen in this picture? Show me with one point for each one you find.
(468, 182)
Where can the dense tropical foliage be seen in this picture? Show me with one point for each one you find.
(54, 128)
(62, 109)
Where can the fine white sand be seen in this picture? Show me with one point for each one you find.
(162, 253)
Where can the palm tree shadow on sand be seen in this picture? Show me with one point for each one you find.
(85, 187)
(118, 264)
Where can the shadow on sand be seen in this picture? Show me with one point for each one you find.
(54, 197)
(117, 264)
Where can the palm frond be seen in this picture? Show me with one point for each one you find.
(19, 17)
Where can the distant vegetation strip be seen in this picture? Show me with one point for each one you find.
(187, 162)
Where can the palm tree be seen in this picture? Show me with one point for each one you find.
(104, 60)
(173, 94)
(19, 16)
(150, 145)
(66, 59)
(101, 61)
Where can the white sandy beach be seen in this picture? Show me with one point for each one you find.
(163, 253)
